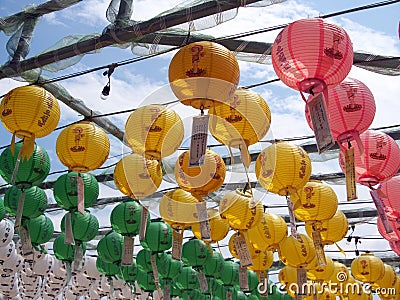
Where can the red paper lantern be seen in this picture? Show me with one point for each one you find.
(380, 161)
(351, 109)
(393, 236)
(391, 199)
(310, 54)
(395, 246)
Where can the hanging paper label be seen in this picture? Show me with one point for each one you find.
(301, 283)
(263, 285)
(112, 290)
(127, 251)
(203, 221)
(202, 281)
(16, 168)
(319, 118)
(81, 195)
(25, 241)
(292, 219)
(381, 211)
(167, 292)
(177, 238)
(245, 155)
(243, 279)
(242, 251)
(78, 258)
(20, 208)
(69, 236)
(143, 223)
(198, 142)
(228, 294)
(319, 248)
(350, 175)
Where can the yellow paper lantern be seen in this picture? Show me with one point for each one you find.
(29, 112)
(82, 146)
(268, 233)
(367, 268)
(340, 274)
(287, 276)
(332, 230)
(241, 210)
(200, 180)
(219, 227)
(316, 201)
(232, 248)
(154, 131)
(242, 122)
(296, 252)
(137, 177)
(283, 168)
(321, 273)
(202, 72)
(387, 281)
(262, 261)
(178, 209)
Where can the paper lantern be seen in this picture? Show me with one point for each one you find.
(219, 227)
(392, 236)
(2, 210)
(30, 172)
(168, 267)
(129, 273)
(6, 232)
(84, 227)
(158, 237)
(241, 210)
(332, 230)
(178, 209)
(137, 177)
(321, 273)
(310, 54)
(316, 201)
(198, 74)
(367, 268)
(200, 180)
(395, 246)
(212, 266)
(143, 260)
(283, 168)
(296, 252)
(262, 261)
(125, 218)
(41, 229)
(62, 251)
(107, 269)
(388, 280)
(35, 201)
(243, 121)
(195, 253)
(82, 147)
(287, 276)
(7, 250)
(390, 190)
(187, 279)
(154, 131)
(29, 112)
(380, 161)
(230, 273)
(109, 247)
(268, 233)
(65, 190)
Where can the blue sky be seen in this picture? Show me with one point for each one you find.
(374, 31)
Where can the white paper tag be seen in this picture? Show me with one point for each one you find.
(69, 236)
(292, 219)
(350, 175)
(319, 118)
(228, 294)
(78, 257)
(143, 223)
(20, 209)
(176, 245)
(242, 251)
(81, 195)
(203, 221)
(25, 241)
(203, 282)
(243, 279)
(301, 282)
(198, 142)
(381, 211)
(127, 251)
(319, 248)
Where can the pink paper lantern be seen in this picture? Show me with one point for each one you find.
(391, 196)
(392, 236)
(380, 161)
(310, 54)
(351, 109)
(395, 246)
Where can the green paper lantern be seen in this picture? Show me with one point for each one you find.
(213, 264)
(84, 227)
(35, 202)
(65, 252)
(174, 290)
(158, 237)
(218, 289)
(65, 190)
(2, 209)
(195, 253)
(41, 229)
(145, 281)
(187, 279)
(31, 171)
(107, 269)
(143, 260)
(230, 273)
(126, 218)
(109, 247)
(237, 294)
(272, 292)
(168, 267)
(252, 279)
(129, 273)
(192, 295)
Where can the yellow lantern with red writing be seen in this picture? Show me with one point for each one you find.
(200, 180)
(137, 176)
(321, 273)
(203, 72)
(82, 147)
(262, 261)
(29, 112)
(367, 268)
(387, 281)
(154, 131)
(219, 227)
(296, 252)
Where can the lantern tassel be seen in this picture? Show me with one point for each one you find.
(127, 251)
(68, 268)
(350, 174)
(69, 236)
(243, 279)
(20, 208)
(28, 147)
(340, 249)
(319, 248)
(112, 291)
(202, 281)
(12, 144)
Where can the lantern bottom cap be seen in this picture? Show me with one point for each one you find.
(198, 103)
(23, 134)
(347, 136)
(368, 180)
(152, 155)
(79, 169)
(312, 85)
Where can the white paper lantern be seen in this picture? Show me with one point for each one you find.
(89, 268)
(59, 269)
(11, 265)
(6, 232)
(7, 250)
